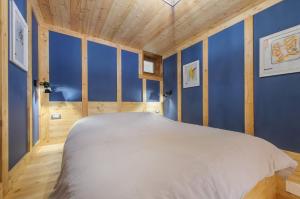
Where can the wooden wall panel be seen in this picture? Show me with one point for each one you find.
(70, 113)
(113, 107)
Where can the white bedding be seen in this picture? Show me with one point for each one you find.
(145, 156)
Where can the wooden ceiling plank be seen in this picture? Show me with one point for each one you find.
(117, 15)
(150, 25)
(75, 21)
(44, 6)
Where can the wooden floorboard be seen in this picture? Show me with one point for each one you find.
(38, 178)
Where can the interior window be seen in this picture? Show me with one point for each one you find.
(148, 66)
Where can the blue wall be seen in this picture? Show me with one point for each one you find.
(35, 76)
(102, 72)
(65, 67)
(226, 78)
(153, 91)
(17, 106)
(170, 83)
(132, 87)
(277, 98)
(192, 97)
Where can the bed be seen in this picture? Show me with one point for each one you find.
(146, 156)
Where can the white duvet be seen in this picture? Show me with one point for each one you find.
(145, 156)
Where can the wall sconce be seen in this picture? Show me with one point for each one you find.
(168, 93)
(45, 84)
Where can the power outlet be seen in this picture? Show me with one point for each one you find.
(293, 188)
(55, 116)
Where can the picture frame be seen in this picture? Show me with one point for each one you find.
(18, 37)
(280, 53)
(191, 77)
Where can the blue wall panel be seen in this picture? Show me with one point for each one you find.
(17, 106)
(277, 98)
(132, 87)
(102, 72)
(153, 91)
(170, 83)
(65, 67)
(226, 79)
(35, 76)
(192, 97)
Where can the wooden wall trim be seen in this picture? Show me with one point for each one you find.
(119, 75)
(4, 93)
(249, 77)
(43, 40)
(179, 82)
(205, 82)
(84, 77)
(29, 78)
(240, 16)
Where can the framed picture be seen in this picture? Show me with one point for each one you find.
(191, 76)
(280, 53)
(18, 37)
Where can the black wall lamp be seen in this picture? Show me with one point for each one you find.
(45, 84)
(168, 93)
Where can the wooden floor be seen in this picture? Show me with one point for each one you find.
(39, 176)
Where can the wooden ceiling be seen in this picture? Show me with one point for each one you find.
(151, 25)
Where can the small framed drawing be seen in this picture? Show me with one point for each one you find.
(191, 77)
(280, 53)
(18, 38)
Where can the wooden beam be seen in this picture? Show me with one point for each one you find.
(205, 82)
(37, 11)
(249, 78)
(4, 93)
(179, 85)
(84, 77)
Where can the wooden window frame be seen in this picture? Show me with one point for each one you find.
(157, 60)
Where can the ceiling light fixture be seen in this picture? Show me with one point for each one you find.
(172, 2)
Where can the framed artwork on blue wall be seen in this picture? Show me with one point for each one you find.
(280, 53)
(191, 77)
(18, 37)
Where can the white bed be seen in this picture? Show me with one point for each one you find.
(146, 156)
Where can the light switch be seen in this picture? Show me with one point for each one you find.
(55, 116)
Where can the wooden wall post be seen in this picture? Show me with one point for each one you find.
(4, 93)
(29, 77)
(205, 82)
(249, 101)
(119, 77)
(43, 38)
(144, 81)
(179, 85)
(84, 77)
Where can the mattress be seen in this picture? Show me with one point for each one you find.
(146, 156)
